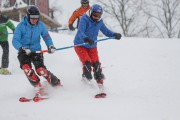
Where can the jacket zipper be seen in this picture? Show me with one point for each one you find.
(30, 38)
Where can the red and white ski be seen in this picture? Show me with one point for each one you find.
(40, 94)
(101, 93)
(35, 99)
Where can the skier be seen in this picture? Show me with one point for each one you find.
(78, 13)
(4, 23)
(89, 26)
(26, 40)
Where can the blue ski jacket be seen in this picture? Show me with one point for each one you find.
(29, 36)
(88, 28)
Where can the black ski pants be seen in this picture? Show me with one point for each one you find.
(5, 54)
(36, 58)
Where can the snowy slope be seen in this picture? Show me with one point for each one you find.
(142, 83)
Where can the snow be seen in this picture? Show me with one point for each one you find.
(142, 83)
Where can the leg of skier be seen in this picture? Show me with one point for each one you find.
(5, 58)
(25, 65)
(31, 75)
(41, 70)
(83, 54)
(87, 70)
(98, 75)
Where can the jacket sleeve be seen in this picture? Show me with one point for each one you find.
(17, 37)
(45, 35)
(106, 31)
(74, 16)
(10, 25)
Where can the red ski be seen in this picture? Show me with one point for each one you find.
(40, 95)
(101, 91)
(100, 95)
(35, 99)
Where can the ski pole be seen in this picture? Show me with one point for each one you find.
(7, 33)
(48, 30)
(42, 51)
(58, 29)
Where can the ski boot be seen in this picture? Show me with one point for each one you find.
(4, 71)
(98, 75)
(87, 71)
(52, 79)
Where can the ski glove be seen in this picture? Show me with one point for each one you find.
(24, 50)
(88, 40)
(51, 49)
(71, 27)
(117, 36)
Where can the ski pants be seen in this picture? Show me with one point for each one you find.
(87, 54)
(5, 54)
(36, 58)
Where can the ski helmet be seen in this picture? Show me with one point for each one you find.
(96, 8)
(84, 1)
(33, 12)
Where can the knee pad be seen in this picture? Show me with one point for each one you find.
(32, 77)
(42, 72)
(27, 69)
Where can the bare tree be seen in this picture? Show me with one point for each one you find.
(165, 16)
(125, 13)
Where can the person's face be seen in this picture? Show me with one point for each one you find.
(96, 16)
(85, 5)
(34, 19)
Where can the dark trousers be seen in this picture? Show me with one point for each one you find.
(5, 54)
(36, 58)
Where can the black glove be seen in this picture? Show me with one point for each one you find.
(88, 40)
(71, 27)
(117, 36)
(51, 49)
(23, 50)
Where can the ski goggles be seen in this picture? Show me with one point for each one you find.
(34, 16)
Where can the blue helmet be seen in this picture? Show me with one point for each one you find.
(96, 8)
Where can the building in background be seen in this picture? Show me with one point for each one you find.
(16, 9)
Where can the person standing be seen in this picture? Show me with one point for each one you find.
(78, 13)
(26, 40)
(89, 26)
(4, 23)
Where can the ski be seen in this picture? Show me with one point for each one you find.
(35, 99)
(40, 94)
(24, 99)
(101, 93)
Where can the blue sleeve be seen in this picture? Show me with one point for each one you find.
(106, 31)
(17, 37)
(45, 35)
(81, 29)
